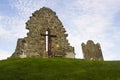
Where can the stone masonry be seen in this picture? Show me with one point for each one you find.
(92, 51)
(34, 45)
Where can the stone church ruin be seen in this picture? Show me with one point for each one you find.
(92, 51)
(46, 37)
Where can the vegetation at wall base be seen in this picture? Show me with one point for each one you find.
(58, 69)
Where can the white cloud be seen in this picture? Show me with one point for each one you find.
(0, 17)
(13, 33)
(4, 54)
(3, 31)
(12, 27)
(27, 7)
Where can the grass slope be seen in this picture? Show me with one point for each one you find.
(58, 69)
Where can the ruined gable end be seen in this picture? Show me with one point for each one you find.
(47, 37)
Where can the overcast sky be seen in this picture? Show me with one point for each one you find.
(97, 20)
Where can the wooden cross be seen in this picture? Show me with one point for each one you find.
(49, 41)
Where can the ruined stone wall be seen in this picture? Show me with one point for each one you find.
(92, 51)
(35, 43)
(19, 48)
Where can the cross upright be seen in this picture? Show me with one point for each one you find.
(49, 41)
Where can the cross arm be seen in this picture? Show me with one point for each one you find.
(48, 35)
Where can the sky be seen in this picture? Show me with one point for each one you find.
(97, 20)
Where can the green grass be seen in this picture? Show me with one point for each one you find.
(58, 69)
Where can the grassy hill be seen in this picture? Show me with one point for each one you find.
(58, 69)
